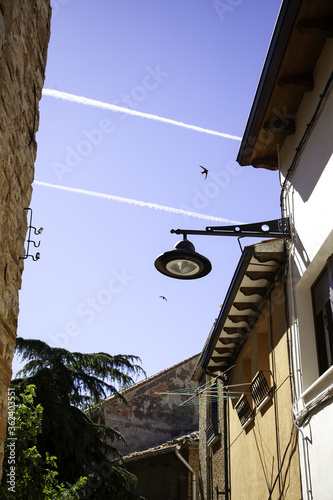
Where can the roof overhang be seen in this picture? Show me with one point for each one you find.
(169, 447)
(255, 277)
(299, 37)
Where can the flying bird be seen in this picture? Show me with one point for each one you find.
(204, 171)
(162, 297)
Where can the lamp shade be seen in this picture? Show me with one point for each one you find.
(183, 262)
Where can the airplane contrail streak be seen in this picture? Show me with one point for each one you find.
(136, 202)
(119, 109)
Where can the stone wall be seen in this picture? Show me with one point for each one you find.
(24, 37)
(211, 456)
(152, 416)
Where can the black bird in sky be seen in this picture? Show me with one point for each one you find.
(162, 297)
(204, 171)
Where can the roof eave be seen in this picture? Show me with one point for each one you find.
(215, 332)
(275, 54)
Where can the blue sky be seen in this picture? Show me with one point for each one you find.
(95, 287)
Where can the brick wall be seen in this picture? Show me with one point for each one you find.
(24, 37)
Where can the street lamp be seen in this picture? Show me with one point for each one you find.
(183, 262)
(186, 264)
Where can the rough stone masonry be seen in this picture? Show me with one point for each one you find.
(24, 38)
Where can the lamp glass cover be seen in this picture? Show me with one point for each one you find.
(182, 267)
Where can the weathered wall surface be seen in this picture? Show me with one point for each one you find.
(203, 450)
(152, 418)
(211, 456)
(24, 37)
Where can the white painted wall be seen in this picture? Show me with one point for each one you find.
(310, 206)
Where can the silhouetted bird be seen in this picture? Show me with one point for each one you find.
(204, 171)
(162, 297)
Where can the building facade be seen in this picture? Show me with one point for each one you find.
(169, 471)
(290, 128)
(248, 444)
(161, 433)
(24, 37)
(153, 413)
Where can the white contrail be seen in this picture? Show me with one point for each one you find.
(119, 109)
(136, 202)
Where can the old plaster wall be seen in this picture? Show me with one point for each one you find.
(24, 37)
(151, 417)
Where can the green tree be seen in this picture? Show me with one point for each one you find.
(67, 383)
(26, 475)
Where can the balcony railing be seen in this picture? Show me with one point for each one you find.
(244, 410)
(260, 390)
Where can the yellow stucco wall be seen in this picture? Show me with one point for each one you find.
(256, 451)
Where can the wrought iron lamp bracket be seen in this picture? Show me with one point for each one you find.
(276, 228)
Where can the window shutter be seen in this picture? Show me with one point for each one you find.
(321, 292)
(330, 279)
(322, 299)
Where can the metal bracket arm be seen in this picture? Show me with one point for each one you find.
(277, 228)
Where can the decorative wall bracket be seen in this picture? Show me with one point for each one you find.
(29, 240)
(186, 264)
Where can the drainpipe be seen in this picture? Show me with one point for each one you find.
(190, 469)
(225, 447)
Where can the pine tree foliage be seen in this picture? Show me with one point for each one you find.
(85, 378)
(66, 384)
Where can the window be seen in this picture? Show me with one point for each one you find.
(244, 411)
(212, 430)
(260, 390)
(322, 297)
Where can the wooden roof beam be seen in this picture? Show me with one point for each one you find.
(212, 371)
(269, 257)
(231, 330)
(270, 162)
(322, 25)
(239, 318)
(304, 82)
(235, 340)
(260, 275)
(218, 359)
(225, 350)
(277, 126)
(249, 290)
(243, 306)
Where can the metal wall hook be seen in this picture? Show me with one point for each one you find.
(36, 245)
(37, 231)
